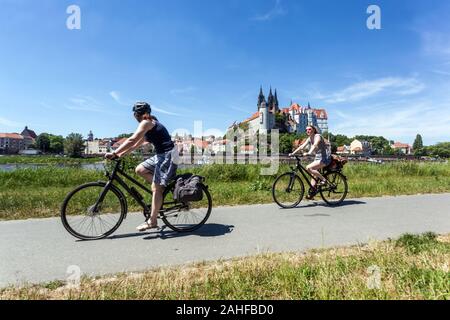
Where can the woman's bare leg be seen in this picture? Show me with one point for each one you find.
(144, 173)
(314, 168)
(157, 201)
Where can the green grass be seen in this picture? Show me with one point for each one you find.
(339, 273)
(34, 193)
(11, 159)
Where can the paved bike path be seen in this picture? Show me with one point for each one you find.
(36, 251)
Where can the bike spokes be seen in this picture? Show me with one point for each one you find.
(89, 218)
(288, 190)
(336, 189)
(186, 216)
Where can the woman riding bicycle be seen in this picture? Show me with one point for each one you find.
(322, 159)
(158, 170)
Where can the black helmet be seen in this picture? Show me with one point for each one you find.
(142, 108)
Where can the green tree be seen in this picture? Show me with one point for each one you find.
(124, 135)
(441, 150)
(286, 142)
(378, 144)
(74, 145)
(418, 143)
(56, 144)
(43, 142)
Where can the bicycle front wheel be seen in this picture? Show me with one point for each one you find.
(186, 217)
(288, 190)
(335, 192)
(87, 217)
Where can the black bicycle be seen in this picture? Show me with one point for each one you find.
(95, 210)
(288, 189)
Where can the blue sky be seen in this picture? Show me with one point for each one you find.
(205, 60)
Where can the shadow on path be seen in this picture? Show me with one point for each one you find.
(208, 230)
(323, 204)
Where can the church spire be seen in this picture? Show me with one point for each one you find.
(270, 100)
(276, 101)
(261, 97)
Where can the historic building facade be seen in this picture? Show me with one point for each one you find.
(293, 119)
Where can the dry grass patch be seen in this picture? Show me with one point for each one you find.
(411, 267)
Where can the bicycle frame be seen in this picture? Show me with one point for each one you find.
(306, 175)
(116, 176)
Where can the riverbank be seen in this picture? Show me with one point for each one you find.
(38, 193)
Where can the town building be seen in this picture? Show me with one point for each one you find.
(293, 119)
(402, 147)
(97, 147)
(219, 146)
(360, 148)
(11, 143)
(29, 137)
(343, 150)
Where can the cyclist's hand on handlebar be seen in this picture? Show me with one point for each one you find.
(111, 156)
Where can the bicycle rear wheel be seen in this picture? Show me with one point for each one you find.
(335, 192)
(188, 217)
(288, 190)
(80, 218)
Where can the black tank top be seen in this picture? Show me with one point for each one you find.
(160, 138)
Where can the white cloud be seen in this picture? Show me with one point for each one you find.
(366, 89)
(165, 111)
(274, 12)
(398, 121)
(84, 103)
(442, 72)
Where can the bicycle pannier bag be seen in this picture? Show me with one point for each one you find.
(188, 188)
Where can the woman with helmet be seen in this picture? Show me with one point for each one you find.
(158, 170)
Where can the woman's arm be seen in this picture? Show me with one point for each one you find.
(133, 142)
(314, 147)
(303, 146)
(135, 146)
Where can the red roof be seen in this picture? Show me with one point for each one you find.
(201, 143)
(253, 117)
(399, 145)
(340, 149)
(11, 136)
(321, 113)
